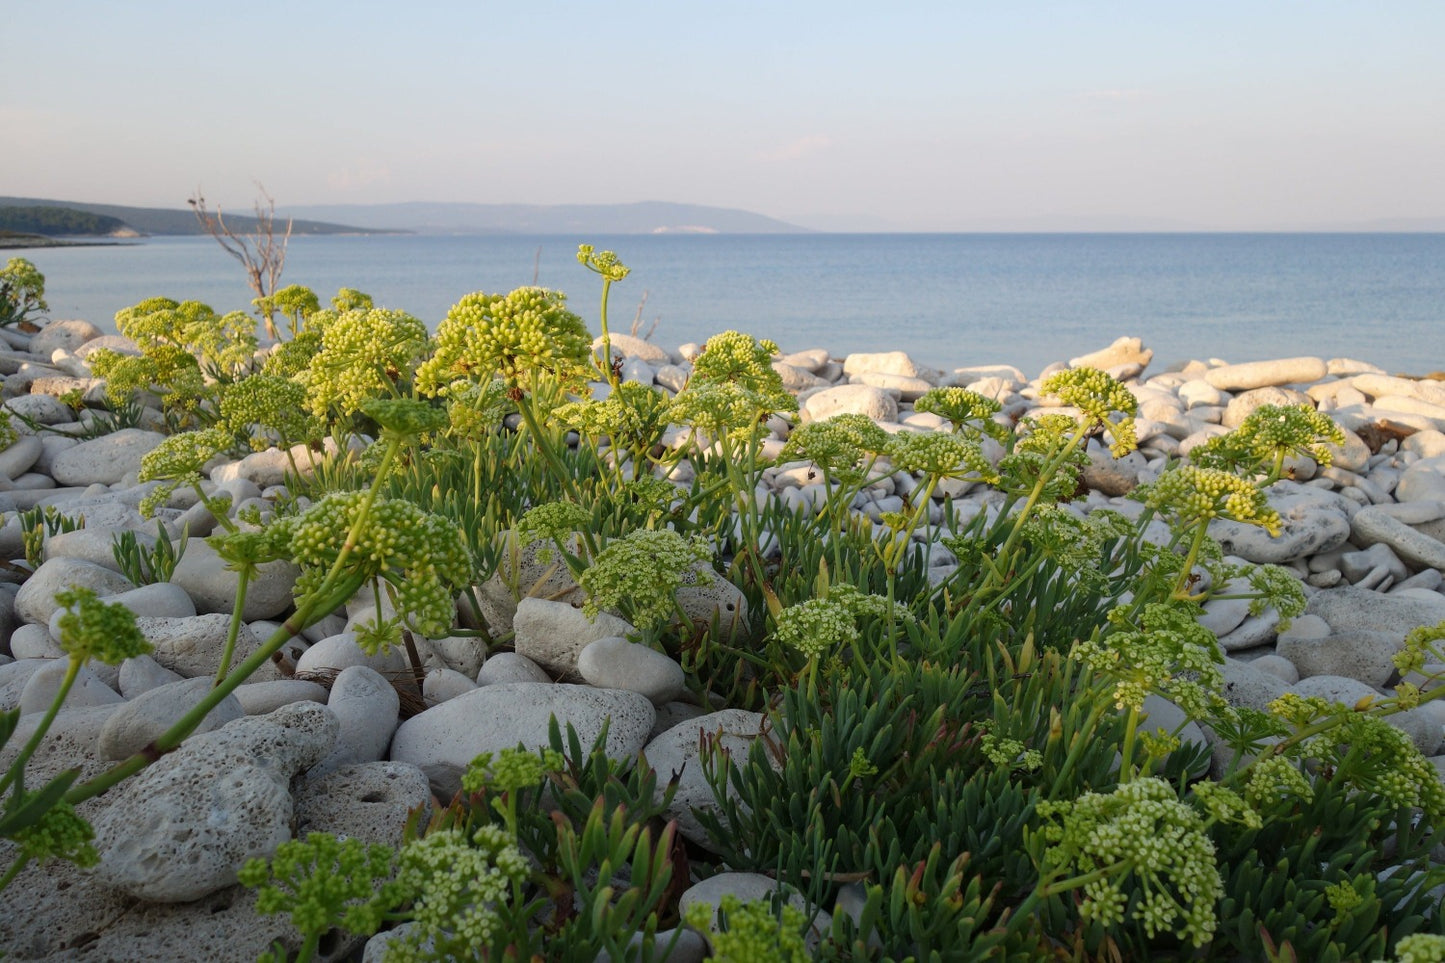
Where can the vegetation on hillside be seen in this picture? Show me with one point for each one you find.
(60, 222)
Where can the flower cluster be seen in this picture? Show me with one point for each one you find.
(1148, 856)
(421, 556)
(475, 409)
(643, 569)
(604, 263)
(168, 369)
(58, 834)
(177, 461)
(968, 411)
(22, 291)
(514, 336)
(1275, 779)
(754, 932)
(1169, 653)
(1009, 753)
(1267, 436)
(227, 343)
(324, 882)
(1192, 495)
(552, 521)
(1075, 543)
(939, 455)
(364, 354)
(1379, 758)
(295, 301)
(840, 445)
(733, 386)
(511, 769)
(92, 629)
(1098, 396)
(829, 623)
(267, 402)
(632, 416)
(457, 886)
(1419, 948)
(1046, 451)
(8, 434)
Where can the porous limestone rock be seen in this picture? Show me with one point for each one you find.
(182, 828)
(366, 705)
(615, 663)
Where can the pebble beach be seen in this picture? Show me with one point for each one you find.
(327, 739)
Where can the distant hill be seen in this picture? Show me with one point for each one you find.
(62, 222)
(159, 220)
(645, 217)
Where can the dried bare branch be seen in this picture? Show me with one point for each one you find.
(261, 252)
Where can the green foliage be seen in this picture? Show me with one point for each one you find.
(954, 760)
(145, 566)
(39, 523)
(58, 222)
(22, 292)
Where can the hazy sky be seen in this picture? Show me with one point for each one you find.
(926, 116)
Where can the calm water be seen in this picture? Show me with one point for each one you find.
(949, 300)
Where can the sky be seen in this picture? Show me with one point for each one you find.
(999, 115)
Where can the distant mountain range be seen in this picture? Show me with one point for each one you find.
(645, 217)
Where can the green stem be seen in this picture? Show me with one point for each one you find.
(13, 774)
(607, 337)
(1082, 740)
(243, 581)
(1131, 726)
(544, 445)
(1201, 531)
(19, 864)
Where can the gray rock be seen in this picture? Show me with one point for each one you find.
(615, 663)
(67, 335)
(1258, 374)
(1245, 404)
(441, 685)
(553, 634)
(21, 456)
(874, 403)
(332, 655)
(1124, 351)
(259, 698)
(104, 460)
(1353, 610)
(507, 667)
(444, 739)
(1363, 655)
(1308, 526)
(89, 544)
(44, 409)
(1223, 615)
(675, 753)
(908, 389)
(35, 602)
(1279, 666)
(212, 586)
(1356, 565)
(367, 707)
(460, 653)
(157, 600)
(194, 647)
(629, 346)
(369, 801)
(136, 724)
(1379, 527)
(707, 595)
(1253, 631)
(1248, 687)
(886, 362)
(141, 674)
(87, 691)
(31, 641)
(183, 827)
(13, 676)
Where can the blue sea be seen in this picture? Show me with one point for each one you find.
(947, 299)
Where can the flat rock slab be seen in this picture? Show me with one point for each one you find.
(1374, 526)
(1260, 374)
(105, 460)
(443, 740)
